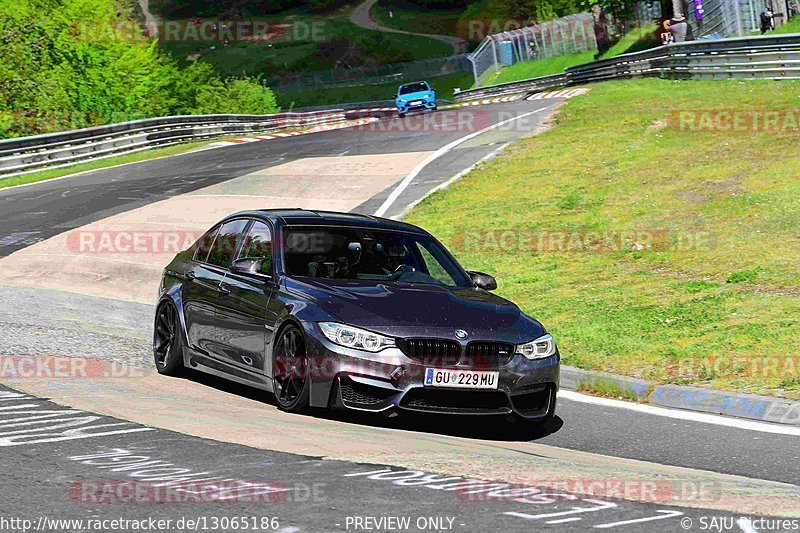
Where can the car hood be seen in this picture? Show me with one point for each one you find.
(427, 309)
(415, 96)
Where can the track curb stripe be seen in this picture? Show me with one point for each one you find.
(561, 93)
(703, 400)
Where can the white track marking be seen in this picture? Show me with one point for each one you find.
(663, 515)
(600, 506)
(450, 181)
(440, 152)
(689, 416)
(564, 520)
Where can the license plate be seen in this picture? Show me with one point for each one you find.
(461, 379)
(416, 102)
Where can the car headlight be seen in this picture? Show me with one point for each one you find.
(539, 348)
(351, 337)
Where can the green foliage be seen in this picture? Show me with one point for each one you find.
(743, 275)
(620, 9)
(74, 63)
(540, 10)
(235, 96)
(232, 8)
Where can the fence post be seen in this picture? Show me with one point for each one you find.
(737, 6)
(494, 54)
(474, 71)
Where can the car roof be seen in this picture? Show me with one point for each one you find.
(415, 82)
(307, 217)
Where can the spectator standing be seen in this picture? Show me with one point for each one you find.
(767, 20)
(679, 29)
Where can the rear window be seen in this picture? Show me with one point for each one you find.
(226, 243)
(203, 246)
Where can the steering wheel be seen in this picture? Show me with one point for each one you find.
(400, 270)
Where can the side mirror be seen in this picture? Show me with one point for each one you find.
(252, 266)
(482, 281)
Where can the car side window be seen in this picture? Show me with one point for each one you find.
(434, 267)
(226, 243)
(258, 245)
(203, 246)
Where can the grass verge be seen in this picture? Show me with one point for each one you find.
(636, 40)
(793, 26)
(648, 248)
(608, 389)
(146, 155)
(539, 67)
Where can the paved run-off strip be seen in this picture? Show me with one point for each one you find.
(102, 259)
(142, 396)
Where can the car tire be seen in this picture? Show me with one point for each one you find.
(401, 115)
(290, 376)
(168, 340)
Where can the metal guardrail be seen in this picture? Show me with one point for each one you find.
(531, 85)
(770, 56)
(53, 150)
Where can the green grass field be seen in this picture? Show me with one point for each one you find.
(439, 21)
(706, 290)
(443, 85)
(311, 44)
(539, 67)
(454, 22)
(793, 26)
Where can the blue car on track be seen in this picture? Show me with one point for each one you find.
(417, 95)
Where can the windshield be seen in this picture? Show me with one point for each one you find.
(413, 88)
(369, 255)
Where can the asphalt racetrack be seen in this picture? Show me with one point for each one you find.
(70, 446)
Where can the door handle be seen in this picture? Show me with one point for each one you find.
(190, 274)
(224, 287)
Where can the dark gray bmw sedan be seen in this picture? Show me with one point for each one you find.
(354, 312)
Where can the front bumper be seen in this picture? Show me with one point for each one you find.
(408, 106)
(390, 382)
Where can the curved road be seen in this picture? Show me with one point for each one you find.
(670, 468)
(361, 17)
